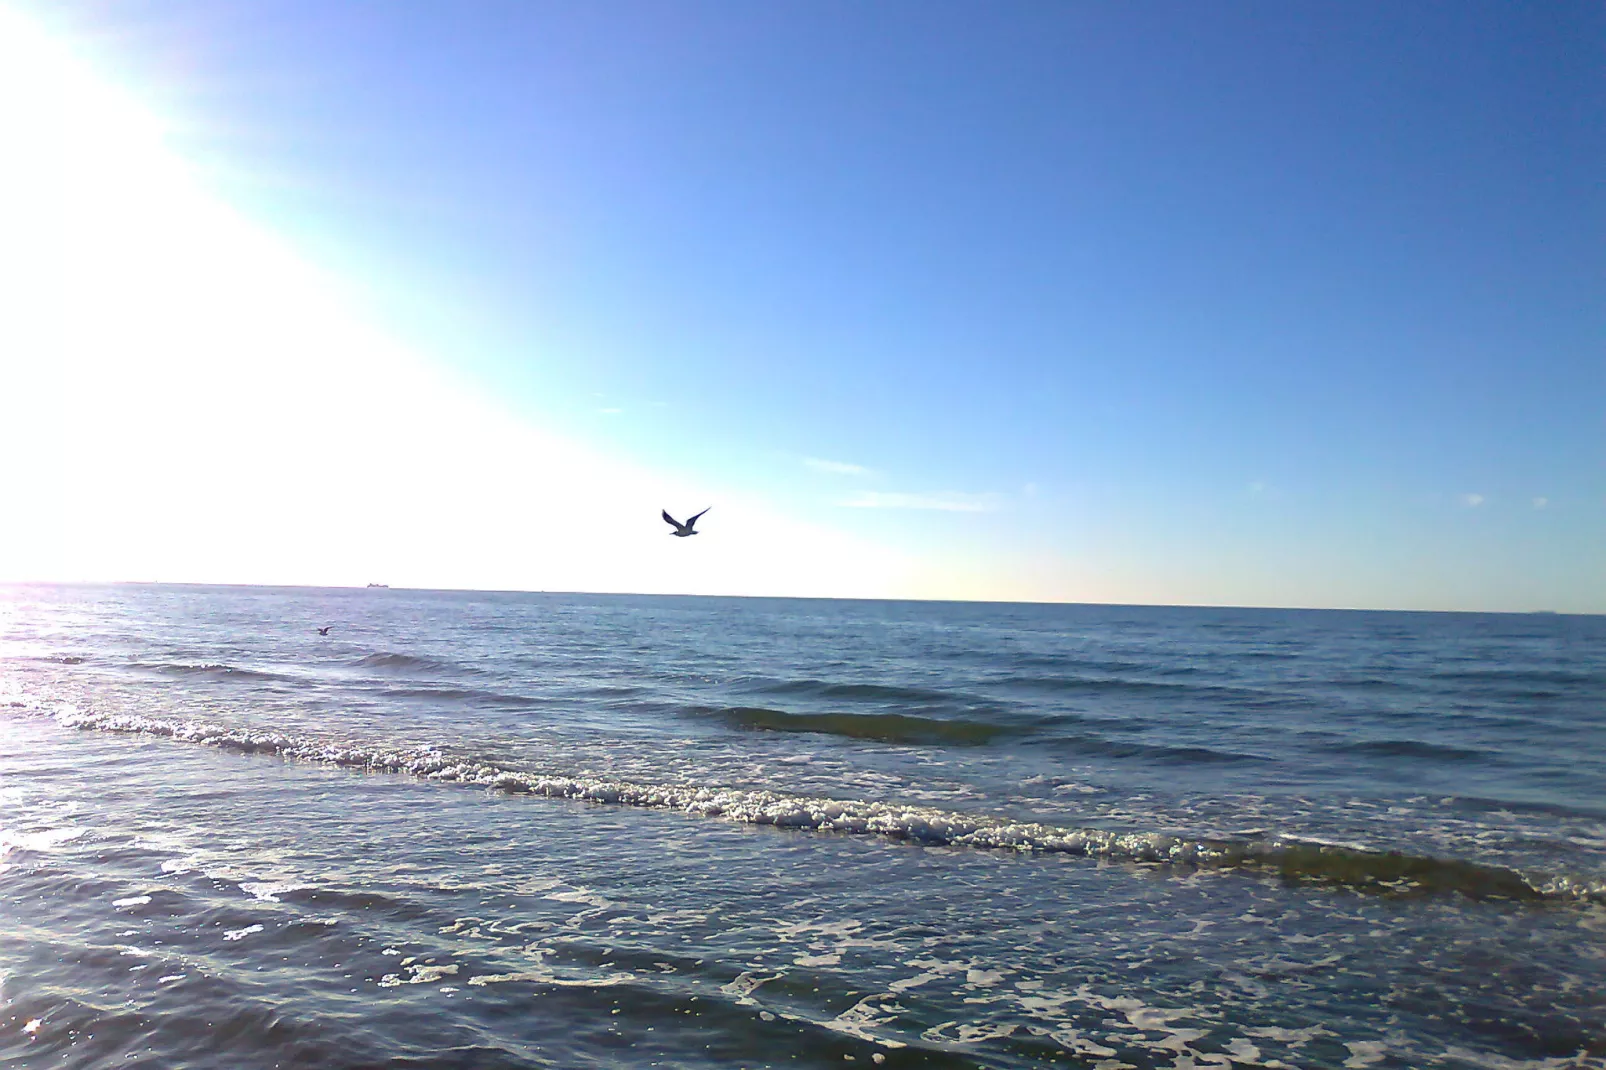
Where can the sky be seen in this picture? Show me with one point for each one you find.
(1232, 304)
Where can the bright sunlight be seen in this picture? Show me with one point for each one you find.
(184, 399)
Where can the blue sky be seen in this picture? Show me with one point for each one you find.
(1292, 304)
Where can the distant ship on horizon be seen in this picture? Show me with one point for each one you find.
(379, 585)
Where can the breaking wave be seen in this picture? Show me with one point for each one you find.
(1116, 687)
(212, 670)
(1083, 743)
(1382, 872)
(470, 695)
(1098, 684)
(857, 692)
(1415, 748)
(884, 727)
(409, 663)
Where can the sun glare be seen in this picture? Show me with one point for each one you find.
(185, 399)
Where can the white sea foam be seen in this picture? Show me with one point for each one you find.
(44, 840)
(269, 891)
(918, 824)
(421, 975)
(547, 977)
(745, 984)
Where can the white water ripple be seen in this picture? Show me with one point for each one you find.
(919, 824)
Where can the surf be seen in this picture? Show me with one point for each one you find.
(1382, 872)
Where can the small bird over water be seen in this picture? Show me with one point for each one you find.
(325, 630)
(683, 530)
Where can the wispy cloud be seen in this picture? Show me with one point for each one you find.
(837, 468)
(1472, 501)
(948, 501)
(1540, 503)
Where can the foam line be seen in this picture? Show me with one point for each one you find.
(1389, 873)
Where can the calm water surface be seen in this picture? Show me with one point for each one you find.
(475, 830)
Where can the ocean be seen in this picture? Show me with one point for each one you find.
(488, 830)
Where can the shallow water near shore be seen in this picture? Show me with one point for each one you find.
(507, 830)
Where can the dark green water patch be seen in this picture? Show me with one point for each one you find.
(884, 727)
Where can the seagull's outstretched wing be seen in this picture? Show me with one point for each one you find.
(672, 520)
(693, 520)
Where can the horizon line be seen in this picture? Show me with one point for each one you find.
(796, 598)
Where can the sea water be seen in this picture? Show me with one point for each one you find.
(483, 830)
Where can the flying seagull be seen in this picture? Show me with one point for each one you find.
(683, 530)
(325, 630)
